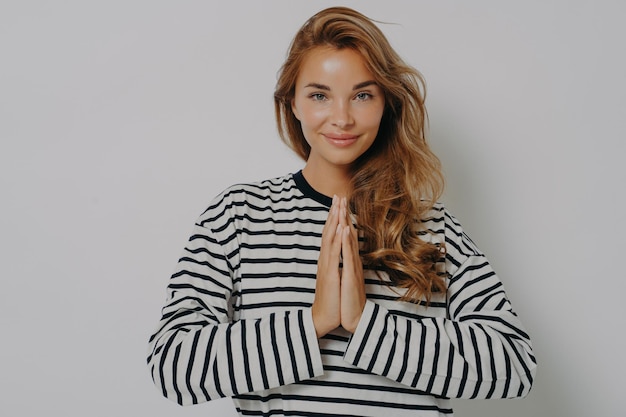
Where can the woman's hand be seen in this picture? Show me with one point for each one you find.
(352, 283)
(339, 296)
(326, 306)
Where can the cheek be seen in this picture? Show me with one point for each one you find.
(371, 118)
(311, 115)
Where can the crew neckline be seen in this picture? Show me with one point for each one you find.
(309, 191)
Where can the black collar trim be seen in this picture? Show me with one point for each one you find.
(308, 191)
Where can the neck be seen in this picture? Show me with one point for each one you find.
(330, 181)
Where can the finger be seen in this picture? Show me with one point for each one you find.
(347, 220)
(330, 249)
(350, 252)
(343, 213)
(335, 248)
(348, 246)
(330, 227)
(351, 229)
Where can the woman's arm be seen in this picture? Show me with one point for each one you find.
(199, 353)
(480, 350)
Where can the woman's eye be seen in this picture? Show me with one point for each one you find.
(363, 96)
(318, 96)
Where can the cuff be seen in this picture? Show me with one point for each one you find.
(372, 323)
(313, 347)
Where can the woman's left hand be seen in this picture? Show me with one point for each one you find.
(352, 283)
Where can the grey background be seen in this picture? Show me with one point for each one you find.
(120, 120)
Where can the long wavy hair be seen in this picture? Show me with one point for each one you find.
(398, 179)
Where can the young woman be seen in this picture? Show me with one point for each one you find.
(345, 288)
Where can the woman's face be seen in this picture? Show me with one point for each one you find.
(339, 106)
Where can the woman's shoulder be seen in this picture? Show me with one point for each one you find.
(446, 229)
(256, 194)
(261, 189)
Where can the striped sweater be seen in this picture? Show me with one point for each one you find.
(237, 320)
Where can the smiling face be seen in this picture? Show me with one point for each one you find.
(339, 106)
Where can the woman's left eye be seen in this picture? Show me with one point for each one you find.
(363, 96)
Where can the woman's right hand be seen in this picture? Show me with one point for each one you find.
(326, 307)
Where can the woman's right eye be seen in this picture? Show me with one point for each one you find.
(318, 96)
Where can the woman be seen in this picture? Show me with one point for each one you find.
(370, 302)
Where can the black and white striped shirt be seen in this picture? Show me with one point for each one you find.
(238, 322)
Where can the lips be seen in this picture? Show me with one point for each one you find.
(341, 139)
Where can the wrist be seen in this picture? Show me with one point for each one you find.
(321, 323)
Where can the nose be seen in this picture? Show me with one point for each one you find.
(342, 115)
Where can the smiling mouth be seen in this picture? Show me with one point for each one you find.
(341, 139)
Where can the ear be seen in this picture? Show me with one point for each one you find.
(294, 108)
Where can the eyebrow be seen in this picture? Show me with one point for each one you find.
(356, 86)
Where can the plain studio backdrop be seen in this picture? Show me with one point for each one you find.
(120, 120)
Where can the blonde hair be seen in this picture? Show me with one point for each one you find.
(398, 180)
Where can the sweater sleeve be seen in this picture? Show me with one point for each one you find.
(198, 352)
(480, 350)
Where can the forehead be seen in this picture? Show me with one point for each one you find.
(334, 64)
